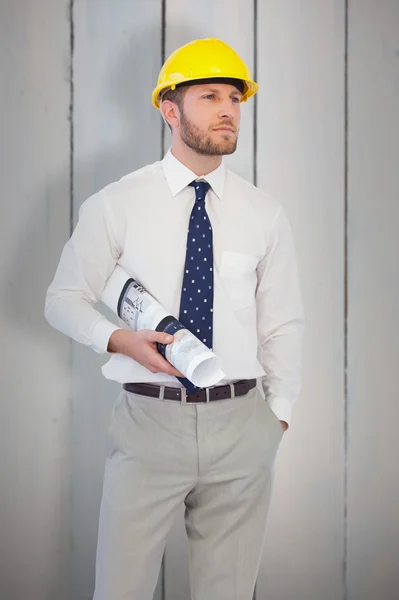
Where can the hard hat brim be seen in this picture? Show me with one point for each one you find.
(250, 87)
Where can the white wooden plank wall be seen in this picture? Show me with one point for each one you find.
(300, 161)
(116, 61)
(333, 523)
(373, 323)
(35, 518)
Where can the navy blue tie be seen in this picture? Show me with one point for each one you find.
(196, 304)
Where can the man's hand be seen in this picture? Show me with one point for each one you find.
(284, 425)
(142, 347)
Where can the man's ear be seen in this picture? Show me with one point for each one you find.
(170, 113)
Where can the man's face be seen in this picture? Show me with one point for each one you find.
(210, 118)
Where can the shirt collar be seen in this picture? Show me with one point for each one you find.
(178, 176)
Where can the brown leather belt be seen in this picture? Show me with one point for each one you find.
(220, 392)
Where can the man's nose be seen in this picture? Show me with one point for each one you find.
(226, 111)
(227, 114)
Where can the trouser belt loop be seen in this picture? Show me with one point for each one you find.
(232, 390)
(161, 392)
(183, 395)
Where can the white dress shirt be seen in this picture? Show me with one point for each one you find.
(141, 222)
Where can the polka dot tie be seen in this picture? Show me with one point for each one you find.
(196, 304)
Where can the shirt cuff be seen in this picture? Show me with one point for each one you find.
(282, 408)
(102, 331)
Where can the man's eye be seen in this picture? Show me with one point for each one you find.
(236, 99)
(210, 96)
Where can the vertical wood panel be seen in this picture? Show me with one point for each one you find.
(301, 163)
(373, 407)
(116, 131)
(34, 407)
(232, 22)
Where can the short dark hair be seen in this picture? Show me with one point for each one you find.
(176, 96)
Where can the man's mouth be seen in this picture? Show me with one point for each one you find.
(227, 129)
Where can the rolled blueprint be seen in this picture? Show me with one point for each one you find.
(136, 307)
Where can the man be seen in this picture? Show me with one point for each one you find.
(218, 254)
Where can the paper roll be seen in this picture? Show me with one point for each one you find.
(136, 307)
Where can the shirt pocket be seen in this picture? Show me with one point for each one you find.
(238, 276)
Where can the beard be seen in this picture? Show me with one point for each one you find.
(202, 143)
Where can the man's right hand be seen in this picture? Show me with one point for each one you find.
(142, 347)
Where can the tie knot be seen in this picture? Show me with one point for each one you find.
(201, 188)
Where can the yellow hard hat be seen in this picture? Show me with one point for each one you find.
(208, 58)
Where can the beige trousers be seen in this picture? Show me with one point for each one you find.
(217, 458)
